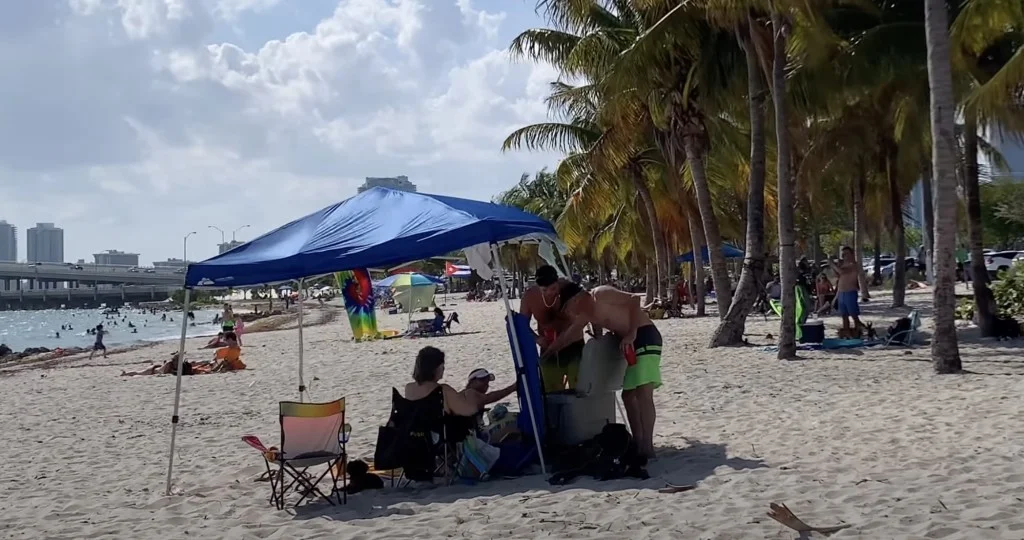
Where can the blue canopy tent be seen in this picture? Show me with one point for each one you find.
(730, 252)
(377, 228)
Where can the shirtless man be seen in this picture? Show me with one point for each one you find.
(542, 302)
(609, 308)
(848, 285)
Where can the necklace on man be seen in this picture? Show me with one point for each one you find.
(546, 304)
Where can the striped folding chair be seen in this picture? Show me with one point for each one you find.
(312, 434)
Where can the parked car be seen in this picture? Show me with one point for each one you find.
(77, 267)
(998, 261)
(133, 269)
(150, 271)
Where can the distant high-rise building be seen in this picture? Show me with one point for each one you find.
(113, 257)
(228, 246)
(46, 243)
(1013, 152)
(8, 241)
(400, 183)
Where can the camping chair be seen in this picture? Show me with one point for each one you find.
(414, 438)
(905, 337)
(312, 434)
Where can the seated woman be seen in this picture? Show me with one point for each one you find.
(426, 375)
(227, 358)
(825, 294)
(216, 342)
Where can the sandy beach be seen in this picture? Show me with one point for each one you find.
(865, 437)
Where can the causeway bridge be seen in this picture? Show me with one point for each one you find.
(84, 297)
(38, 285)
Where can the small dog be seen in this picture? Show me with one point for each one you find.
(1006, 328)
(858, 332)
(360, 479)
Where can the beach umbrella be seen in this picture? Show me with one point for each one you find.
(408, 280)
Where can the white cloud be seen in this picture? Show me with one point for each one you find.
(133, 122)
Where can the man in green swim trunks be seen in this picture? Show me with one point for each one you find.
(608, 308)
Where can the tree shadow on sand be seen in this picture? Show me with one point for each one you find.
(677, 466)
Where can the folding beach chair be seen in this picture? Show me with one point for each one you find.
(312, 434)
(907, 336)
(414, 438)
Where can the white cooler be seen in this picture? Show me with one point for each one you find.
(576, 416)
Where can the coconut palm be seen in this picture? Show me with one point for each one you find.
(945, 352)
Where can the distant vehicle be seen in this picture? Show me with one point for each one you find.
(133, 269)
(179, 271)
(997, 261)
(77, 267)
(37, 264)
(1019, 259)
(150, 271)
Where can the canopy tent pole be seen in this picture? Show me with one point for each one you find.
(518, 354)
(302, 383)
(177, 389)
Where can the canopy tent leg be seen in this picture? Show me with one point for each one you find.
(518, 354)
(177, 389)
(302, 383)
(565, 264)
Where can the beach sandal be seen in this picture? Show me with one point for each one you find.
(781, 513)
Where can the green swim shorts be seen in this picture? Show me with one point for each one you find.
(647, 369)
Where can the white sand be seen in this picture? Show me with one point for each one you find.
(866, 437)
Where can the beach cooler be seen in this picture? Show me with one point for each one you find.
(579, 415)
(812, 332)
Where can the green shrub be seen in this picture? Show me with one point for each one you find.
(965, 309)
(1009, 291)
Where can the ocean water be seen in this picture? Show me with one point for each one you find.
(22, 329)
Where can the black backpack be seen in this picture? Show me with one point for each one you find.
(611, 454)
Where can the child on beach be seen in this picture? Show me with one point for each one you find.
(98, 345)
(848, 286)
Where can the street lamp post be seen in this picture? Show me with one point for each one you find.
(184, 251)
(236, 231)
(217, 229)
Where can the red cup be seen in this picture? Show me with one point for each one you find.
(630, 355)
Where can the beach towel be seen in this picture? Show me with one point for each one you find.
(357, 290)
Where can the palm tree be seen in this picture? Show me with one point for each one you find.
(945, 351)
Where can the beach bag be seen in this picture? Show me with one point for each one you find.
(477, 458)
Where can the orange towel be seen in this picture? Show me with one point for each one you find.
(231, 356)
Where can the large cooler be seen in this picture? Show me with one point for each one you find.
(578, 415)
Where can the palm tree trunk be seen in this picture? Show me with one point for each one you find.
(730, 331)
(876, 270)
(899, 273)
(928, 231)
(858, 230)
(984, 302)
(697, 239)
(719, 270)
(945, 350)
(786, 196)
(658, 235)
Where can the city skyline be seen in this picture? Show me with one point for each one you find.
(79, 255)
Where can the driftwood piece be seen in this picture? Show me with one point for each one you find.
(672, 488)
(781, 513)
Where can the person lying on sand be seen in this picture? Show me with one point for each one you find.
(619, 312)
(161, 369)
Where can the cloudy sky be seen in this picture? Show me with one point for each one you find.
(132, 122)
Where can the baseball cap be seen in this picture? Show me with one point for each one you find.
(546, 275)
(480, 373)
